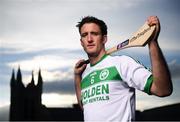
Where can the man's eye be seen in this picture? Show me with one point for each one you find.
(83, 35)
(95, 33)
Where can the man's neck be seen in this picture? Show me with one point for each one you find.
(94, 59)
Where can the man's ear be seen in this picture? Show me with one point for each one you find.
(104, 39)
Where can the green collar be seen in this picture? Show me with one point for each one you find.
(103, 57)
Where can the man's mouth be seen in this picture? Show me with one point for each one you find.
(90, 45)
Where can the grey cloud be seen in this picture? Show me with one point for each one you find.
(62, 87)
(12, 54)
(174, 67)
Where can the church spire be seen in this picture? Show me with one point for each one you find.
(39, 86)
(39, 78)
(32, 80)
(19, 76)
(12, 78)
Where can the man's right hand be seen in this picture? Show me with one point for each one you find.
(78, 70)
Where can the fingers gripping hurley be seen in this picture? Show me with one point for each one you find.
(138, 39)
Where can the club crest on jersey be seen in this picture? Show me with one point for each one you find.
(104, 74)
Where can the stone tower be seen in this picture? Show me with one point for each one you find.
(25, 101)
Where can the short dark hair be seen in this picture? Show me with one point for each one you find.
(91, 19)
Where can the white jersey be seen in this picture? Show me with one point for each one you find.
(108, 88)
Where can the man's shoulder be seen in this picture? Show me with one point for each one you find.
(120, 57)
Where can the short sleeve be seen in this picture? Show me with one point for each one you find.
(135, 74)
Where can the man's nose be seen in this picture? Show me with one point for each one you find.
(89, 37)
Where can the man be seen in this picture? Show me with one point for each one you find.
(105, 88)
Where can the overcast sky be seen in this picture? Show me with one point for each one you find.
(42, 34)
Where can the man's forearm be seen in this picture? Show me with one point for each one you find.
(162, 85)
(77, 79)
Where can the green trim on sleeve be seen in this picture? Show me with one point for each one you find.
(148, 85)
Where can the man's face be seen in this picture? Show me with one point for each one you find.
(92, 39)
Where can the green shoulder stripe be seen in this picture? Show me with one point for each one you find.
(106, 74)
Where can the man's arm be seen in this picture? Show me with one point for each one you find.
(77, 80)
(162, 84)
(77, 84)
